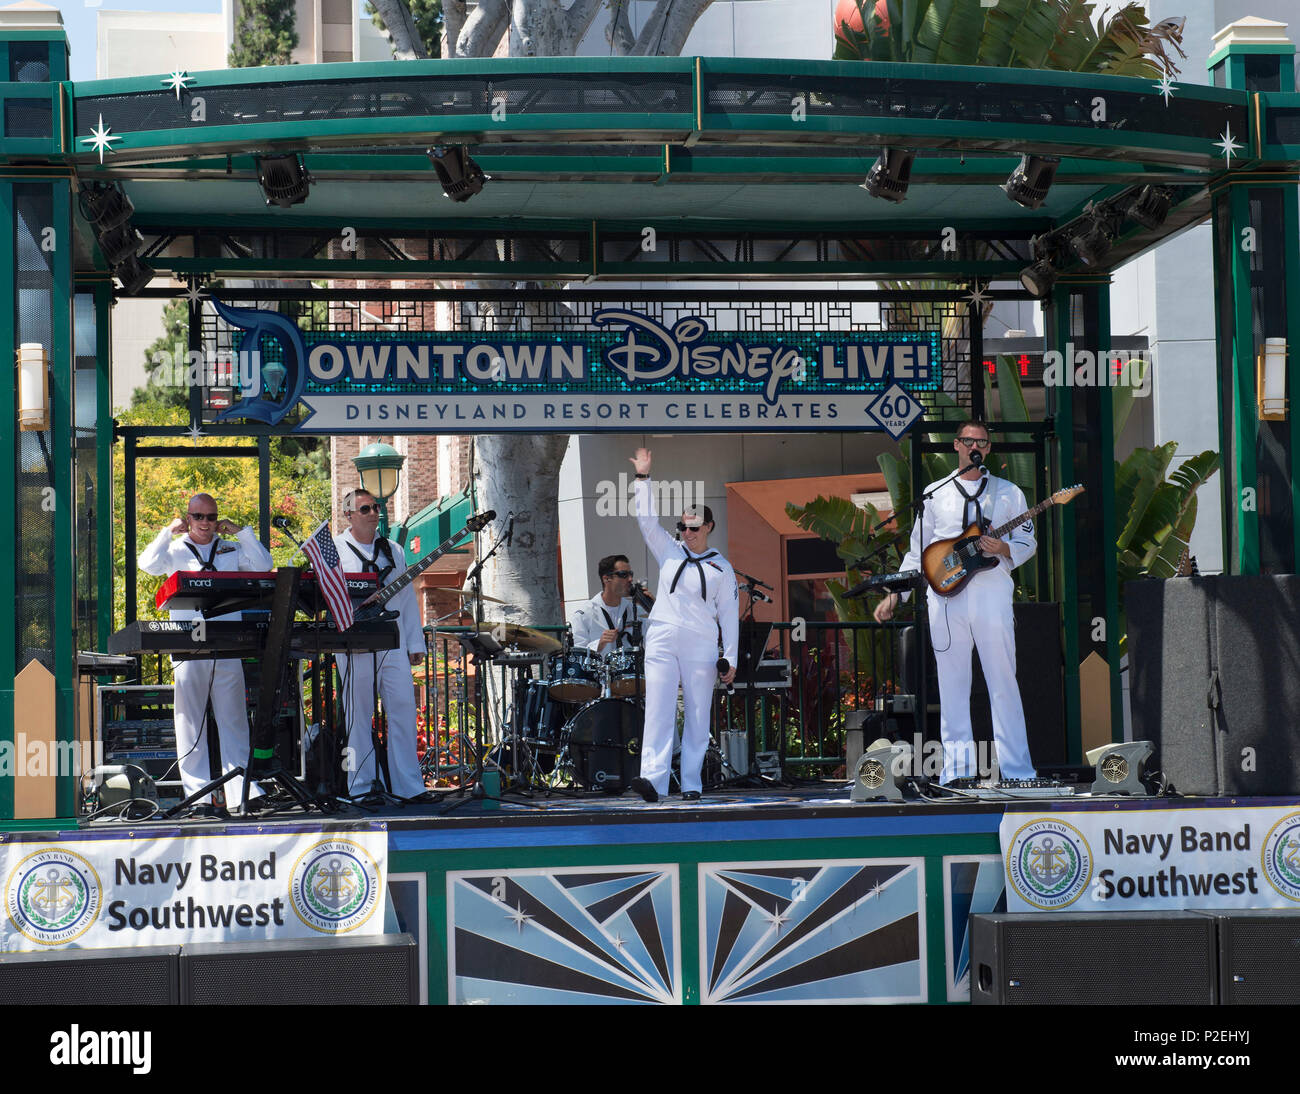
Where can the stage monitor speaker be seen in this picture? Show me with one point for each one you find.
(1215, 681)
(1259, 957)
(379, 969)
(1040, 675)
(145, 974)
(1089, 957)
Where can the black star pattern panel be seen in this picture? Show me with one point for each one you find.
(826, 931)
(565, 936)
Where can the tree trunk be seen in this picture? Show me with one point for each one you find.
(400, 30)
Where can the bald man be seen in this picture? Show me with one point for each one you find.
(193, 542)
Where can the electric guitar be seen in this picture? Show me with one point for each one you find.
(373, 606)
(949, 563)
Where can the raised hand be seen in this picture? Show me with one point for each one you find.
(641, 461)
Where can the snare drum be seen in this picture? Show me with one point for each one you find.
(626, 670)
(575, 676)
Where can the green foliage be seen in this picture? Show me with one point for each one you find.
(1043, 34)
(265, 33)
(428, 21)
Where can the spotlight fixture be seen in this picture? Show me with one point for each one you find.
(105, 206)
(283, 179)
(1091, 236)
(1039, 277)
(1120, 767)
(1150, 206)
(1028, 184)
(881, 771)
(120, 243)
(890, 174)
(460, 176)
(133, 274)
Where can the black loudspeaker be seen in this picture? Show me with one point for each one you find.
(1259, 957)
(378, 969)
(1215, 681)
(1087, 957)
(147, 974)
(1039, 673)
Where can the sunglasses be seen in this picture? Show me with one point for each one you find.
(364, 509)
(621, 573)
(685, 528)
(202, 516)
(969, 441)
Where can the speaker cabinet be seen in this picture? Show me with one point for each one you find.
(147, 974)
(380, 969)
(1215, 681)
(1097, 958)
(1259, 957)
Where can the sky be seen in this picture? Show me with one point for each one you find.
(79, 20)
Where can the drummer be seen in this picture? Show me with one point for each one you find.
(598, 623)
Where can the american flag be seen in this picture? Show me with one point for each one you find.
(329, 572)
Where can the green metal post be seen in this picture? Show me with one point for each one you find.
(8, 480)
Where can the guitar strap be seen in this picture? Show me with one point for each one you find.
(381, 547)
(204, 563)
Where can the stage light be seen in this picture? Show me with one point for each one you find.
(1028, 184)
(460, 176)
(879, 771)
(1120, 767)
(104, 207)
(1090, 237)
(890, 174)
(133, 274)
(1150, 206)
(283, 179)
(120, 243)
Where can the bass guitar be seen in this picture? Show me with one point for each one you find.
(949, 563)
(373, 606)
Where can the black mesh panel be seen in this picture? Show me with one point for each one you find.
(29, 62)
(86, 484)
(28, 118)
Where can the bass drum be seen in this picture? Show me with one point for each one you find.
(604, 743)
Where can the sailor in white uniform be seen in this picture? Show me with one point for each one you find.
(221, 680)
(598, 625)
(979, 616)
(696, 604)
(362, 551)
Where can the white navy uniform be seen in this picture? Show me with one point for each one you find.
(590, 620)
(220, 679)
(396, 687)
(977, 616)
(681, 646)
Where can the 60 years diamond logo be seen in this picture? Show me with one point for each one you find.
(334, 886)
(52, 896)
(1049, 863)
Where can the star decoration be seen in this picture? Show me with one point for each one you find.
(101, 139)
(195, 294)
(877, 890)
(1166, 87)
(520, 917)
(977, 295)
(179, 80)
(1228, 145)
(777, 919)
(194, 433)
(619, 942)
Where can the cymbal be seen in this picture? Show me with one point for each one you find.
(515, 635)
(470, 596)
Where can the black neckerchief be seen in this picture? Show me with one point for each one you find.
(205, 563)
(381, 544)
(972, 499)
(698, 560)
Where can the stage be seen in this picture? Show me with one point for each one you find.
(748, 896)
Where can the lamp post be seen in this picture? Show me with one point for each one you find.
(380, 468)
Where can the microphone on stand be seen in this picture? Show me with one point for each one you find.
(642, 597)
(976, 461)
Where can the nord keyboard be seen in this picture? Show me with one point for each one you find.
(217, 592)
(239, 637)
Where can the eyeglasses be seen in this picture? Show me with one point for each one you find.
(202, 516)
(684, 528)
(620, 573)
(974, 441)
(364, 509)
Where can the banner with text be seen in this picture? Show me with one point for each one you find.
(171, 890)
(631, 373)
(1088, 860)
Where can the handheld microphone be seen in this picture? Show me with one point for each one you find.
(724, 667)
(281, 522)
